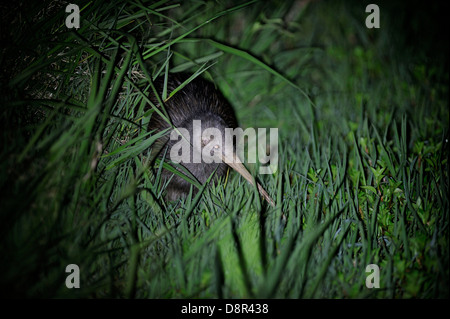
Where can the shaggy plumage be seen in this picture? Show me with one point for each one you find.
(198, 100)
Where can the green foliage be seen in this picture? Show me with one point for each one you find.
(363, 165)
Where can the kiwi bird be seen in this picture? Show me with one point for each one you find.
(197, 106)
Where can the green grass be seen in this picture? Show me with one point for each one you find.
(363, 152)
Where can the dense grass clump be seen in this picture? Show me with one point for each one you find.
(363, 171)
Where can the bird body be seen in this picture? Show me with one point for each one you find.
(196, 107)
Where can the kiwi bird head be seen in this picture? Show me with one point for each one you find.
(213, 142)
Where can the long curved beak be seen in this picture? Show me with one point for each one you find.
(230, 160)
